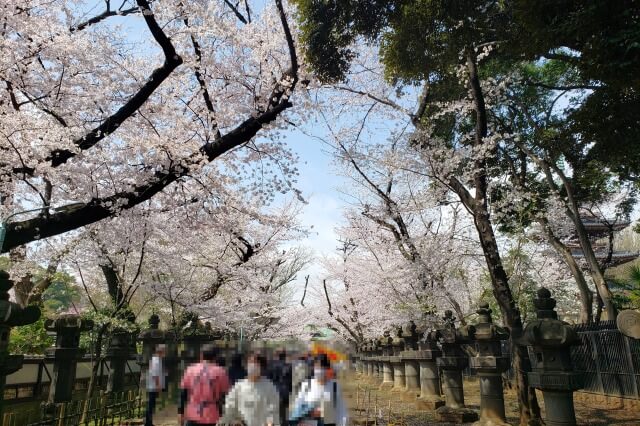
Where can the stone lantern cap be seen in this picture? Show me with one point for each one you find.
(153, 333)
(489, 358)
(398, 345)
(453, 358)
(548, 331)
(69, 323)
(450, 335)
(485, 329)
(410, 334)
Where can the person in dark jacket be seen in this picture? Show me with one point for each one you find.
(281, 375)
(236, 369)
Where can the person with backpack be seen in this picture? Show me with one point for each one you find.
(280, 375)
(320, 401)
(202, 390)
(253, 401)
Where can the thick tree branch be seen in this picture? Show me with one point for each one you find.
(99, 208)
(157, 77)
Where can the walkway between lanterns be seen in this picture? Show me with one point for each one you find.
(371, 406)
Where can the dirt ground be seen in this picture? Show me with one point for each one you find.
(398, 409)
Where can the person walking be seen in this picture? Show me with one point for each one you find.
(202, 390)
(253, 401)
(280, 374)
(320, 400)
(155, 382)
(300, 373)
(236, 369)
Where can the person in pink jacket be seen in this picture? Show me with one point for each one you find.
(202, 391)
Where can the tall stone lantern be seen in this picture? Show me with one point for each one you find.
(549, 341)
(385, 358)
(373, 360)
(193, 338)
(410, 359)
(11, 315)
(118, 355)
(451, 364)
(65, 354)
(397, 364)
(490, 364)
(428, 355)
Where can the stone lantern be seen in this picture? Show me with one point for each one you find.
(118, 355)
(357, 358)
(549, 341)
(397, 343)
(11, 315)
(428, 355)
(150, 338)
(364, 359)
(451, 364)
(387, 369)
(368, 362)
(377, 353)
(65, 355)
(490, 364)
(410, 359)
(193, 338)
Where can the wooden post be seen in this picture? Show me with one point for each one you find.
(63, 408)
(375, 411)
(366, 422)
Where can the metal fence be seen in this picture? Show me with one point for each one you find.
(609, 360)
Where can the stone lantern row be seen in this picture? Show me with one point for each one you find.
(66, 352)
(428, 364)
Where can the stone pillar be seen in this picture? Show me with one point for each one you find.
(150, 338)
(193, 338)
(65, 355)
(377, 364)
(428, 355)
(118, 355)
(410, 359)
(172, 363)
(490, 364)
(11, 315)
(385, 359)
(550, 341)
(399, 381)
(451, 364)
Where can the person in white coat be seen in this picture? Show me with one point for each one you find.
(253, 401)
(319, 401)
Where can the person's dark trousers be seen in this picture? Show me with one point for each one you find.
(284, 408)
(151, 407)
(190, 423)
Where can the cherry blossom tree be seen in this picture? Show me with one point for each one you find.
(93, 123)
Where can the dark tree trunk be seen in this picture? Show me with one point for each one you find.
(528, 402)
(586, 297)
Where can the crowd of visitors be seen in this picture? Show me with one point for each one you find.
(301, 390)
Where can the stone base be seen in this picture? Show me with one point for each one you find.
(386, 386)
(490, 422)
(430, 404)
(456, 415)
